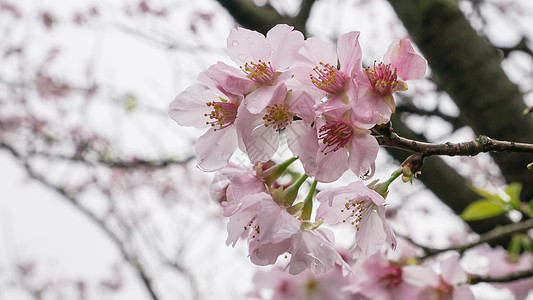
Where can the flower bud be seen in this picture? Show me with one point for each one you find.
(411, 167)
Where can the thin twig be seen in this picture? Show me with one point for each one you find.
(507, 278)
(487, 237)
(386, 137)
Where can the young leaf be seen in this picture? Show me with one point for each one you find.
(483, 209)
(513, 190)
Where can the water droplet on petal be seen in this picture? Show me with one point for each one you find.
(267, 46)
(235, 43)
(242, 56)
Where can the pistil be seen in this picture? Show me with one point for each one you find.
(335, 135)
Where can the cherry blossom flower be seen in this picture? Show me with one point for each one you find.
(379, 277)
(200, 107)
(260, 132)
(333, 145)
(499, 263)
(363, 208)
(377, 84)
(262, 61)
(313, 249)
(306, 285)
(268, 225)
(449, 284)
(316, 67)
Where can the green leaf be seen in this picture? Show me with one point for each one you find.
(513, 190)
(483, 209)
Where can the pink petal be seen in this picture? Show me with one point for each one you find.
(275, 223)
(349, 51)
(260, 142)
(452, 271)
(239, 220)
(189, 107)
(463, 292)
(247, 46)
(303, 142)
(420, 276)
(214, 148)
(331, 166)
(370, 237)
(409, 64)
(284, 43)
(363, 152)
(371, 108)
(257, 100)
(267, 254)
(229, 80)
(391, 237)
(315, 51)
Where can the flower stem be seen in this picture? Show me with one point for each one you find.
(273, 173)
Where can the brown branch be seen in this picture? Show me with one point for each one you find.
(263, 18)
(483, 143)
(132, 163)
(493, 235)
(507, 278)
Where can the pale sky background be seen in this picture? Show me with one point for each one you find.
(36, 224)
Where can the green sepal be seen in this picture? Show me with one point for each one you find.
(295, 209)
(290, 193)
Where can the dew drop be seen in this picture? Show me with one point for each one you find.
(235, 43)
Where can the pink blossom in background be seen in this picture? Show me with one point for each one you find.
(500, 263)
(306, 285)
(450, 284)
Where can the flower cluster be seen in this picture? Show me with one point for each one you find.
(322, 99)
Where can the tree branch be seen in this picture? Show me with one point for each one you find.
(507, 278)
(495, 234)
(480, 145)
